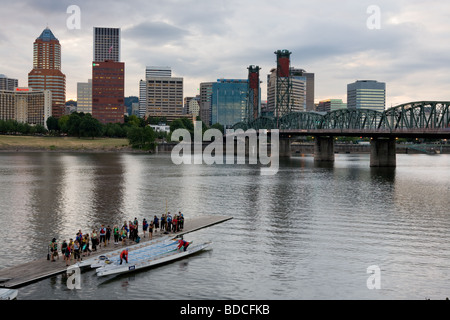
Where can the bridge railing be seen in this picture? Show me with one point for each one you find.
(427, 115)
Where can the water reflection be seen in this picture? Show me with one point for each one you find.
(309, 231)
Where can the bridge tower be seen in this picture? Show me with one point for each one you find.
(283, 84)
(253, 101)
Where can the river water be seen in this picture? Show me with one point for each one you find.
(309, 232)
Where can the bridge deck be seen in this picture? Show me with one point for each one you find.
(33, 271)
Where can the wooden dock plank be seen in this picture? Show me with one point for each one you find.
(36, 270)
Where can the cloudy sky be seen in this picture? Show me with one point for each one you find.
(203, 40)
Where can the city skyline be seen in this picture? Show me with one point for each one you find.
(203, 41)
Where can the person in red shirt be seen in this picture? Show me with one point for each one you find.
(124, 256)
(183, 244)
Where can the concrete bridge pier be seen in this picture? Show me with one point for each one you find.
(383, 152)
(324, 149)
(284, 148)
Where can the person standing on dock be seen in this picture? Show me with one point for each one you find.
(70, 247)
(94, 240)
(156, 223)
(124, 256)
(180, 220)
(131, 233)
(54, 249)
(108, 235)
(67, 254)
(63, 248)
(150, 230)
(86, 245)
(102, 236)
(144, 226)
(168, 222)
(175, 223)
(163, 222)
(124, 235)
(116, 234)
(76, 251)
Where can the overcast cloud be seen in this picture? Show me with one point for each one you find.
(203, 40)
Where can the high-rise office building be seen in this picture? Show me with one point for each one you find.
(298, 96)
(46, 73)
(154, 71)
(331, 105)
(162, 95)
(26, 105)
(84, 96)
(8, 83)
(142, 98)
(366, 94)
(192, 106)
(106, 44)
(150, 71)
(108, 97)
(205, 102)
(308, 78)
(229, 101)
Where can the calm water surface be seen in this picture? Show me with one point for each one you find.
(308, 232)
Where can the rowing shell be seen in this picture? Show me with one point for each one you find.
(116, 268)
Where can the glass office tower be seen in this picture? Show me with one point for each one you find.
(229, 101)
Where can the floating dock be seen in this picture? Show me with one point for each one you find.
(21, 275)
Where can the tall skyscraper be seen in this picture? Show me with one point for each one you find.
(150, 71)
(106, 44)
(46, 73)
(162, 94)
(205, 102)
(84, 96)
(229, 101)
(8, 83)
(366, 94)
(298, 95)
(142, 98)
(108, 77)
(308, 78)
(108, 97)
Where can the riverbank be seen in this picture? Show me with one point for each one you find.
(10, 143)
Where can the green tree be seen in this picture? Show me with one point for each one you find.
(217, 126)
(141, 138)
(40, 129)
(133, 120)
(90, 127)
(52, 124)
(3, 127)
(73, 124)
(62, 123)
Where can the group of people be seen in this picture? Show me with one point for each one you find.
(81, 246)
(167, 223)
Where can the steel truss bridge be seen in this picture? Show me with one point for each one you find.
(423, 119)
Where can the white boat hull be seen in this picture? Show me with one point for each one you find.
(98, 261)
(8, 294)
(115, 269)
